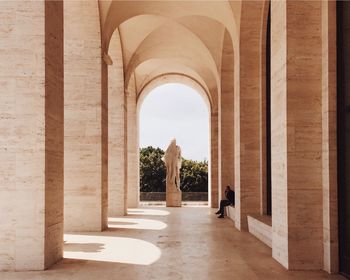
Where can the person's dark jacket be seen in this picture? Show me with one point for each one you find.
(230, 195)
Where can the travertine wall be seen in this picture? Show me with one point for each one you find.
(85, 177)
(226, 116)
(329, 138)
(297, 134)
(133, 192)
(31, 126)
(247, 111)
(116, 135)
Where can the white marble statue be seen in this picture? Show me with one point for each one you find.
(172, 159)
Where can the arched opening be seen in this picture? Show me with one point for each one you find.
(167, 111)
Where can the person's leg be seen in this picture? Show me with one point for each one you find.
(220, 208)
(223, 203)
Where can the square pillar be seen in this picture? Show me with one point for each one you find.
(214, 159)
(329, 138)
(296, 109)
(85, 129)
(226, 116)
(31, 138)
(116, 130)
(133, 177)
(247, 118)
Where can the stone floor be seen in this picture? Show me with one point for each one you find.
(167, 243)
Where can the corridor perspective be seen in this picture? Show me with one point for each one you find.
(275, 78)
(167, 244)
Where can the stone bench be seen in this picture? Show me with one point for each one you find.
(261, 227)
(230, 212)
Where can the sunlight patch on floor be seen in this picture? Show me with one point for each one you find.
(133, 223)
(110, 249)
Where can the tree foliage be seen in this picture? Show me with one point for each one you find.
(152, 170)
(194, 174)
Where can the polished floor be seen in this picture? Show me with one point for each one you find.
(167, 243)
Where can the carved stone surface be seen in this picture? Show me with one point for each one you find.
(173, 196)
(172, 159)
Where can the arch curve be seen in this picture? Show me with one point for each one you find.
(174, 78)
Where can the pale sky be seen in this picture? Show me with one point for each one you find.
(175, 111)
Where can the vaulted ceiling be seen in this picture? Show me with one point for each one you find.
(169, 37)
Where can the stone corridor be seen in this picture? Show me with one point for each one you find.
(167, 243)
(73, 78)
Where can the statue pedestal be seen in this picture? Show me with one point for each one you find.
(173, 197)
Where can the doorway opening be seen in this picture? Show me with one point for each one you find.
(174, 111)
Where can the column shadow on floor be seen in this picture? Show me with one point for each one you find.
(84, 247)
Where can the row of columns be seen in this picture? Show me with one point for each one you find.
(68, 131)
(303, 122)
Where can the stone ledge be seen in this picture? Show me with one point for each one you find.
(261, 227)
(230, 212)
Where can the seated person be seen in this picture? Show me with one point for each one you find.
(230, 195)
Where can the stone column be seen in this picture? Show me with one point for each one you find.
(133, 147)
(214, 159)
(226, 143)
(329, 138)
(31, 129)
(247, 116)
(116, 135)
(85, 120)
(297, 134)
